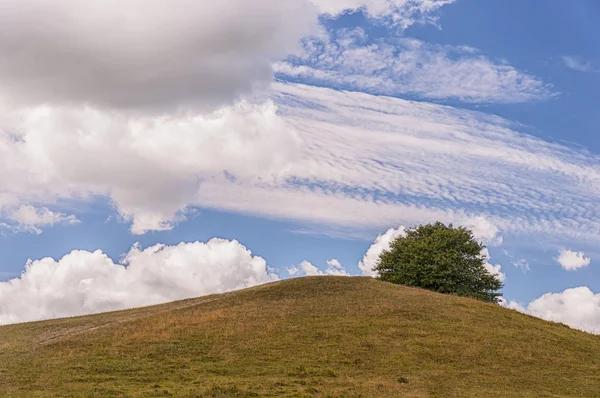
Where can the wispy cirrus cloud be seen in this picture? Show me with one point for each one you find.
(349, 59)
(577, 63)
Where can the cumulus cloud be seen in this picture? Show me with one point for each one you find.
(578, 308)
(349, 59)
(382, 243)
(484, 231)
(145, 54)
(572, 261)
(306, 268)
(84, 283)
(495, 270)
(310, 270)
(151, 167)
(334, 267)
(31, 219)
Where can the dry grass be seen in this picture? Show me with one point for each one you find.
(325, 337)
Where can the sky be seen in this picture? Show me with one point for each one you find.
(151, 152)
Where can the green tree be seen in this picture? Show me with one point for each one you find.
(440, 258)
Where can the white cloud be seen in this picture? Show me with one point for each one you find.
(577, 63)
(381, 244)
(84, 283)
(145, 54)
(572, 261)
(346, 164)
(32, 219)
(399, 12)
(404, 160)
(309, 269)
(349, 59)
(151, 167)
(334, 267)
(293, 271)
(371, 162)
(114, 103)
(347, 160)
(522, 264)
(341, 159)
(495, 270)
(578, 308)
(484, 231)
(306, 268)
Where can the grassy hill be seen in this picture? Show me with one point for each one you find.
(323, 336)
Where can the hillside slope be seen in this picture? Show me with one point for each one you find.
(323, 336)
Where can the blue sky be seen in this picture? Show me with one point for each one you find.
(304, 142)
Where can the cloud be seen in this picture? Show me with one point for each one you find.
(495, 270)
(348, 59)
(327, 159)
(151, 167)
(306, 268)
(402, 13)
(84, 283)
(334, 267)
(484, 231)
(162, 57)
(293, 271)
(372, 162)
(382, 243)
(32, 219)
(412, 161)
(577, 63)
(578, 308)
(522, 264)
(149, 106)
(146, 54)
(310, 270)
(572, 261)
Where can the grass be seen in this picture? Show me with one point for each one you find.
(321, 337)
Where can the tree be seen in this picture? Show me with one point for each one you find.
(440, 258)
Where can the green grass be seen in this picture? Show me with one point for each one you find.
(323, 337)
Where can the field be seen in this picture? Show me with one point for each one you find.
(320, 336)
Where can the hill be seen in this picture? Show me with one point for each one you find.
(322, 336)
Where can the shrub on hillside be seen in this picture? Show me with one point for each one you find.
(441, 258)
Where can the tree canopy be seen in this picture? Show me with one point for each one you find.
(441, 258)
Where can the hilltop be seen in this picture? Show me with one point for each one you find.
(320, 336)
